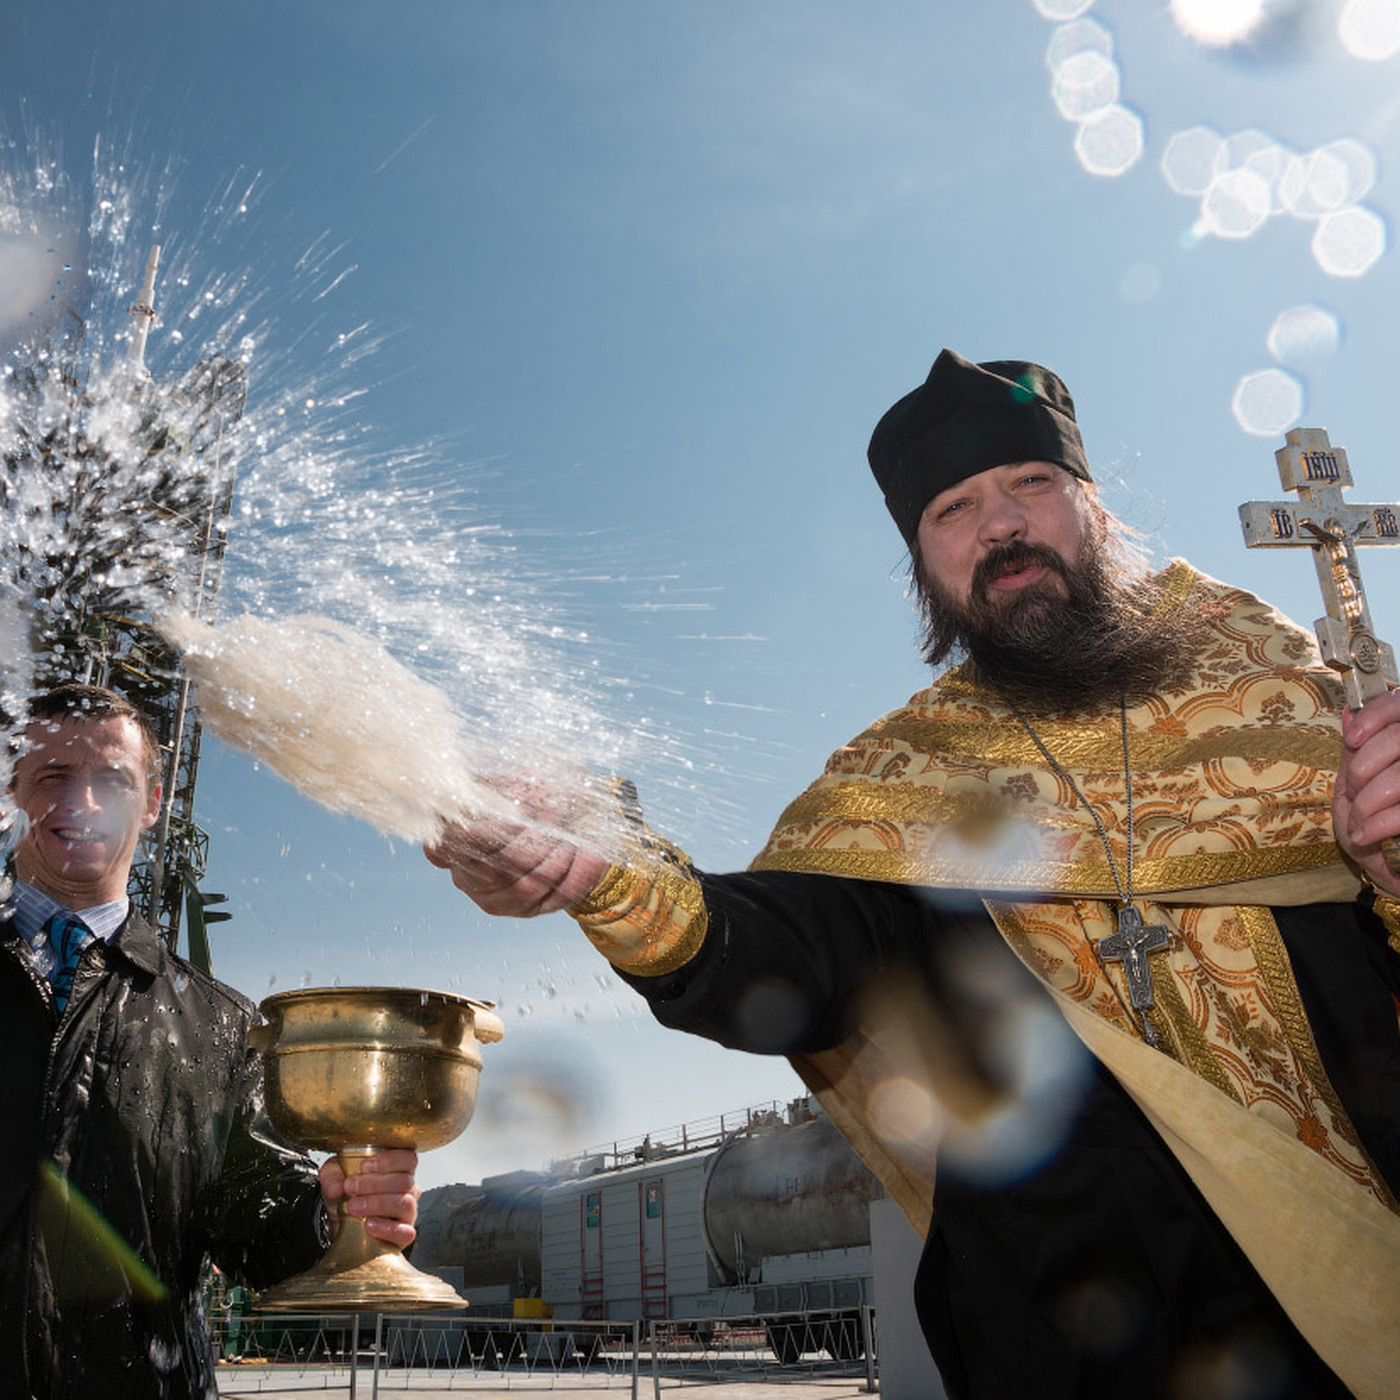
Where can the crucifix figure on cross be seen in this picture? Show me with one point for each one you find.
(1332, 528)
(1130, 945)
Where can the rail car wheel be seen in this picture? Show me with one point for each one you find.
(787, 1341)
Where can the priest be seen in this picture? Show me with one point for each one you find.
(1090, 948)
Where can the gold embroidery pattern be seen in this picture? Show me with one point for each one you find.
(1056, 941)
(1232, 781)
(1178, 1025)
(1236, 772)
(1227, 1009)
(1287, 1006)
(1080, 747)
(879, 851)
(647, 913)
(1387, 910)
(646, 918)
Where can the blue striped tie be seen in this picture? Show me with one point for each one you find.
(67, 937)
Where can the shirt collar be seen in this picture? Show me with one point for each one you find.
(31, 909)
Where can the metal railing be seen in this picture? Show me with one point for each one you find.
(776, 1346)
(374, 1353)
(690, 1136)
(366, 1355)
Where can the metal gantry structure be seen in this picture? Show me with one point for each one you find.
(98, 636)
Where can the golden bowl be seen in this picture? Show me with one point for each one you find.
(373, 1066)
(355, 1071)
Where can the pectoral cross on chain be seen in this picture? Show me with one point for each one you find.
(1130, 946)
(1332, 528)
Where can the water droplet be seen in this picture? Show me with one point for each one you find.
(1080, 36)
(1084, 84)
(1237, 204)
(1219, 23)
(1193, 159)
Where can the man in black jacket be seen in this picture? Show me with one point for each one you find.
(136, 1143)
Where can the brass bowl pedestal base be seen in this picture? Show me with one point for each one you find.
(359, 1273)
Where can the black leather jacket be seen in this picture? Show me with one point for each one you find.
(133, 1145)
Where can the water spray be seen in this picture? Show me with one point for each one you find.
(143, 313)
(386, 653)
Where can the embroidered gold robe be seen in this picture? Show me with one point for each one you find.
(1231, 791)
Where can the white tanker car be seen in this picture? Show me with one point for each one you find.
(767, 1219)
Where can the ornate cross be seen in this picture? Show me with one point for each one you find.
(1130, 946)
(1332, 528)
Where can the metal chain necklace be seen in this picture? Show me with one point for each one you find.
(1133, 940)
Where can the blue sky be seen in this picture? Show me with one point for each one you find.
(639, 278)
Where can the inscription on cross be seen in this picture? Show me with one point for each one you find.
(1332, 528)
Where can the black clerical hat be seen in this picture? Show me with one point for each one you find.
(965, 418)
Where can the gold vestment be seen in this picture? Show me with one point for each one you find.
(1232, 784)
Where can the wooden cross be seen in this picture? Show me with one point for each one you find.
(1332, 528)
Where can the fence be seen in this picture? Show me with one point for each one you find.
(373, 1354)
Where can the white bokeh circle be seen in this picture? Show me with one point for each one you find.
(1063, 9)
(1349, 242)
(1304, 334)
(1085, 84)
(1370, 29)
(1111, 141)
(1267, 402)
(1193, 159)
(1079, 36)
(1237, 204)
(1218, 22)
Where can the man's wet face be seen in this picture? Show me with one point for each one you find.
(85, 786)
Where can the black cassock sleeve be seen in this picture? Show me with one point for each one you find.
(1097, 1270)
(787, 956)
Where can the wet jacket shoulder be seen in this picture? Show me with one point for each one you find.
(137, 1120)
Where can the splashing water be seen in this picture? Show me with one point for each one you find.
(365, 591)
(335, 715)
(308, 697)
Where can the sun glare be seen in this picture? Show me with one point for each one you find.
(1218, 22)
(1370, 29)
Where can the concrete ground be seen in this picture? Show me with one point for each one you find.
(406, 1385)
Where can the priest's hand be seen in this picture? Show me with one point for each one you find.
(383, 1193)
(520, 868)
(1366, 804)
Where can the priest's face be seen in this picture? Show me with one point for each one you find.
(1005, 536)
(1022, 570)
(88, 789)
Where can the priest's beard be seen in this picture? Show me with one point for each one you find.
(1080, 637)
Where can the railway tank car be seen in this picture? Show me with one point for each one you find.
(759, 1214)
